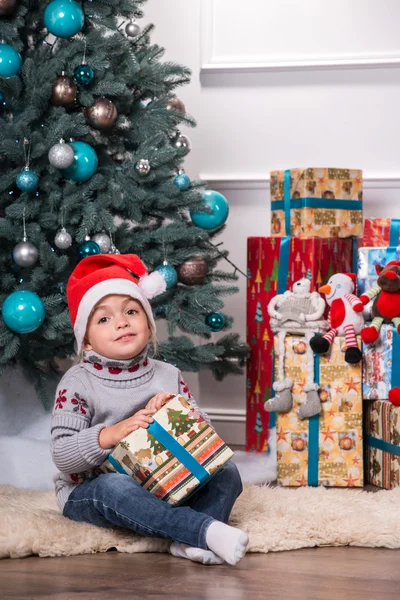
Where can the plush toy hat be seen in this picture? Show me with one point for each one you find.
(98, 276)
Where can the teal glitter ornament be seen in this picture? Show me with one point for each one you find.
(23, 311)
(169, 274)
(220, 210)
(88, 248)
(83, 74)
(215, 321)
(84, 165)
(10, 61)
(64, 18)
(27, 180)
(182, 181)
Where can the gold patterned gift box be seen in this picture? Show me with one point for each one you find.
(178, 452)
(320, 202)
(328, 448)
(382, 426)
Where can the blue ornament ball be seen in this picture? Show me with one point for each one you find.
(3, 102)
(64, 18)
(88, 248)
(215, 321)
(10, 61)
(23, 311)
(220, 210)
(84, 165)
(84, 74)
(27, 180)
(182, 181)
(169, 274)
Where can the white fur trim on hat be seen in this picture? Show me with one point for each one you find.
(152, 285)
(105, 288)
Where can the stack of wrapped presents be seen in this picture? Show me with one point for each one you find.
(323, 323)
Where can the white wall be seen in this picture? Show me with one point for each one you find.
(279, 84)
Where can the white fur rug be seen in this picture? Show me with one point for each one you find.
(275, 519)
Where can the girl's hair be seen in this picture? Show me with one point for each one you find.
(153, 338)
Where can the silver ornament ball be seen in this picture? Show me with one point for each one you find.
(183, 143)
(132, 29)
(61, 155)
(25, 254)
(63, 239)
(143, 167)
(103, 241)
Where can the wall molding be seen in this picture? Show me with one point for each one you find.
(259, 182)
(214, 64)
(225, 414)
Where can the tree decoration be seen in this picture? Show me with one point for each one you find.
(10, 61)
(169, 274)
(184, 144)
(63, 239)
(88, 248)
(83, 73)
(175, 104)
(102, 114)
(64, 91)
(84, 165)
(23, 311)
(3, 102)
(132, 29)
(143, 167)
(219, 207)
(103, 241)
(193, 271)
(215, 321)
(25, 254)
(61, 155)
(27, 180)
(182, 181)
(64, 18)
(7, 7)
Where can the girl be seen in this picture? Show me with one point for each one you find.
(114, 390)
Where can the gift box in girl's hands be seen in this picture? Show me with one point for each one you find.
(176, 454)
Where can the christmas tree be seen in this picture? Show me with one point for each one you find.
(179, 421)
(155, 445)
(91, 155)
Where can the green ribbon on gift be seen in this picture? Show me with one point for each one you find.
(382, 445)
(313, 435)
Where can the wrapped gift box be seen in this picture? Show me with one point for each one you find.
(368, 257)
(326, 449)
(318, 202)
(382, 426)
(378, 375)
(176, 454)
(381, 232)
(274, 264)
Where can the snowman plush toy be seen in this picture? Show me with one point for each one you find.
(345, 316)
(300, 312)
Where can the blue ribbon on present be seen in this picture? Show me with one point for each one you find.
(288, 204)
(395, 379)
(175, 448)
(382, 445)
(313, 435)
(394, 232)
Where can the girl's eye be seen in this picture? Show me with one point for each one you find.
(103, 320)
(132, 311)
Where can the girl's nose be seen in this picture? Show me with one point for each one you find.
(122, 322)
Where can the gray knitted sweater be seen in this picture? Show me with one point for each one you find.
(96, 393)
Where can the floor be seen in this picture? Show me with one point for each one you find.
(312, 574)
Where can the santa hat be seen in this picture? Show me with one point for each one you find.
(103, 274)
(353, 279)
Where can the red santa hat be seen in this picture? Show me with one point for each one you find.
(353, 279)
(98, 276)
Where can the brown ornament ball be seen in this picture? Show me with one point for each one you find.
(7, 7)
(175, 104)
(192, 271)
(64, 91)
(102, 114)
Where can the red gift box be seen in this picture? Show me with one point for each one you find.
(316, 258)
(377, 232)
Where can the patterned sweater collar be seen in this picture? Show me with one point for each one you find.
(117, 370)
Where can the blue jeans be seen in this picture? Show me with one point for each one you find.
(113, 499)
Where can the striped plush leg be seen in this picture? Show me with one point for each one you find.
(321, 343)
(370, 334)
(353, 354)
(330, 336)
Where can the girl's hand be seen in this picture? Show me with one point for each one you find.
(159, 400)
(111, 436)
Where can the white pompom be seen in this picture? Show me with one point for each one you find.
(152, 285)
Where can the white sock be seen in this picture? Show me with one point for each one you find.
(207, 557)
(227, 542)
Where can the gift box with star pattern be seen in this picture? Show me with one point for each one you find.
(174, 456)
(326, 449)
(321, 202)
(382, 427)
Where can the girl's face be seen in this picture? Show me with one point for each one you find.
(118, 328)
